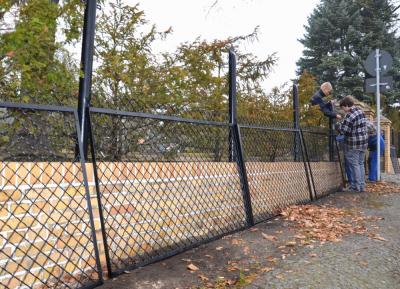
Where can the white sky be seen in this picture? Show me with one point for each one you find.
(281, 24)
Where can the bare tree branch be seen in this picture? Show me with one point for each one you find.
(396, 8)
(212, 6)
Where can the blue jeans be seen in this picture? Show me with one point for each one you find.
(347, 170)
(347, 166)
(356, 159)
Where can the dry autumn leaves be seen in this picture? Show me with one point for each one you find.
(323, 223)
(309, 225)
(382, 188)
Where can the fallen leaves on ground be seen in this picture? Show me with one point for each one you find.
(203, 277)
(280, 276)
(291, 244)
(236, 241)
(266, 269)
(192, 267)
(269, 237)
(376, 237)
(233, 266)
(382, 188)
(324, 223)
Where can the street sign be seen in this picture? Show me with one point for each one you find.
(385, 81)
(385, 63)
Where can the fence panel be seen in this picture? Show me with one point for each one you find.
(156, 186)
(46, 234)
(165, 185)
(326, 174)
(275, 169)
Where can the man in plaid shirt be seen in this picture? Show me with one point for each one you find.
(354, 129)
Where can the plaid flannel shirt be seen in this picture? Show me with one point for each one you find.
(354, 129)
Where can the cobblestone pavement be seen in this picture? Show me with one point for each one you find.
(358, 261)
(391, 178)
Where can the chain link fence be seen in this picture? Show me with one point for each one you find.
(324, 161)
(47, 237)
(152, 186)
(165, 185)
(272, 159)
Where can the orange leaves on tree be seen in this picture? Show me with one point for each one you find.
(10, 53)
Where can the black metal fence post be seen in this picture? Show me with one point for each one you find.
(392, 136)
(232, 100)
(331, 141)
(98, 195)
(307, 165)
(85, 80)
(243, 175)
(340, 163)
(398, 144)
(88, 200)
(296, 122)
(235, 144)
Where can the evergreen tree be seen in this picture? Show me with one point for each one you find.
(126, 75)
(339, 36)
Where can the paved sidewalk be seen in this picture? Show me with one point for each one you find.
(270, 256)
(356, 262)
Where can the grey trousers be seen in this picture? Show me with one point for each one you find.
(356, 159)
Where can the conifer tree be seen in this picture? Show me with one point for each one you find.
(339, 36)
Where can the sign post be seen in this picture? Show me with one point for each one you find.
(378, 113)
(378, 63)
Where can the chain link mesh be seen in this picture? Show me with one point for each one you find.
(272, 159)
(262, 120)
(165, 186)
(325, 168)
(45, 230)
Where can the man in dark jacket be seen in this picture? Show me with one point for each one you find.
(325, 107)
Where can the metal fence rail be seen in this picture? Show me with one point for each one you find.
(46, 226)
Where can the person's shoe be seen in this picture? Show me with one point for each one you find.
(350, 190)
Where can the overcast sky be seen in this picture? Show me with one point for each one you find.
(281, 24)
